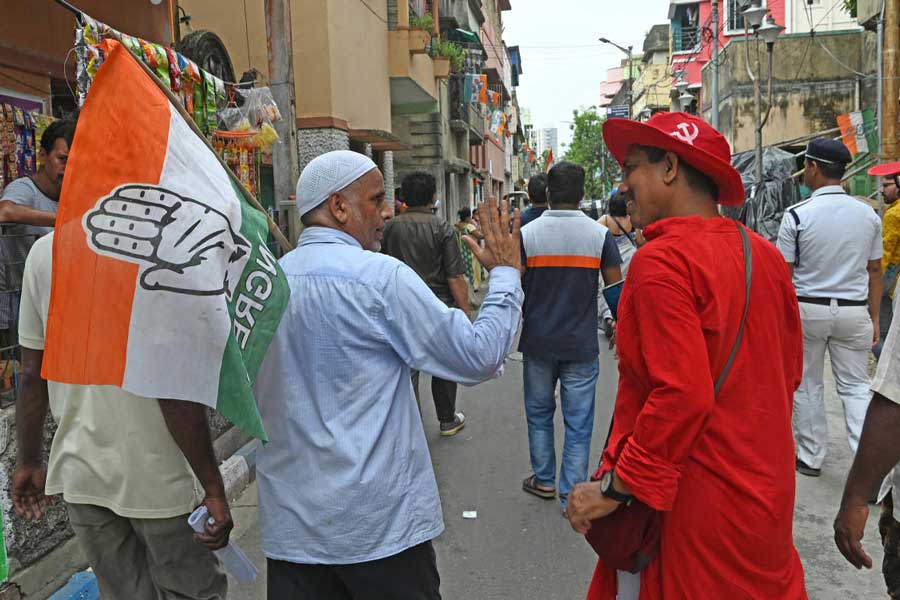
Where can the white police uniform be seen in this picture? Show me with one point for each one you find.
(829, 239)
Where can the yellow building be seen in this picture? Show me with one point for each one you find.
(654, 83)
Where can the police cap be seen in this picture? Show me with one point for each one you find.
(828, 151)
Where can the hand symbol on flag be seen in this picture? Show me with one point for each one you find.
(184, 245)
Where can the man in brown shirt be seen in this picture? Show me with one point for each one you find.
(428, 245)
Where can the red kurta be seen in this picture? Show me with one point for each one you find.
(720, 468)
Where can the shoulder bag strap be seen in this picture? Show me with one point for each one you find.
(748, 280)
(628, 234)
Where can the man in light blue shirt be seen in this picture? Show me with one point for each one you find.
(348, 499)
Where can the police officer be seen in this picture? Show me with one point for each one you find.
(832, 244)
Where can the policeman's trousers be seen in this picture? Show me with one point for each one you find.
(846, 331)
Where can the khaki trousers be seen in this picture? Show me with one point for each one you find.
(146, 559)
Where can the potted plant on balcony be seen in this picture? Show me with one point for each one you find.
(448, 57)
(420, 28)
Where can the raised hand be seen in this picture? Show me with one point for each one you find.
(502, 244)
(183, 245)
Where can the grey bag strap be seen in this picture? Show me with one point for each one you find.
(748, 279)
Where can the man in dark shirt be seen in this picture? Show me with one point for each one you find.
(565, 252)
(537, 195)
(428, 245)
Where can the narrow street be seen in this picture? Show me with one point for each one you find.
(521, 547)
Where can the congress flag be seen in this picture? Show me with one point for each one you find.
(162, 281)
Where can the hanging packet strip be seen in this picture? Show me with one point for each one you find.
(221, 95)
(133, 45)
(174, 70)
(209, 94)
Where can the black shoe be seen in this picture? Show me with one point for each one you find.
(805, 469)
(451, 428)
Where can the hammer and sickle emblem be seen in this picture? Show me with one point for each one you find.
(688, 132)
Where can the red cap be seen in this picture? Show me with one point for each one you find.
(885, 170)
(691, 138)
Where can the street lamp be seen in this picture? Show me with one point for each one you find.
(627, 52)
(753, 16)
(769, 31)
(685, 100)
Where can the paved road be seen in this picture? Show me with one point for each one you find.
(521, 547)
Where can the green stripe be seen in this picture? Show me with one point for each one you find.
(256, 286)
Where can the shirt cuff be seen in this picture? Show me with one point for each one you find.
(505, 279)
(649, 478)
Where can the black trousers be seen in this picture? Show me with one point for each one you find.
(410, 575)
(444, 394)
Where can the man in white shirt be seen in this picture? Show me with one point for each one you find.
(832, 243)
(125, 467)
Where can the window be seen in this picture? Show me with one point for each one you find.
(686, 28)
(734, 20)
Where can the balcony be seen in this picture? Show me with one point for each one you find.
(465, 116)
(685, 40)
(412, 74)
(465, 14)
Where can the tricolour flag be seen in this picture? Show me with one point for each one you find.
(856, 130)
(162, 281)
(549, 161)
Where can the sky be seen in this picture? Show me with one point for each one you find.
(563, 63)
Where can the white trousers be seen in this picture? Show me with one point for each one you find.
(846, 331)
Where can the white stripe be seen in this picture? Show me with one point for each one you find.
(176, 340)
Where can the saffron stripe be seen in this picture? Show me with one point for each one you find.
(562, 260)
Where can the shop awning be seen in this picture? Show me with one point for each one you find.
(462, 35)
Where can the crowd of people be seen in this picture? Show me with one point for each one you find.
(720, 337)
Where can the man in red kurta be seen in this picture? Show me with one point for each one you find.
(719, 468)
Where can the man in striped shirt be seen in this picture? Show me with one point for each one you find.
(565, 251)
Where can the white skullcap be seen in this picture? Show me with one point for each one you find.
(329, 173)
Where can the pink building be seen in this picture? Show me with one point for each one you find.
(691, 29)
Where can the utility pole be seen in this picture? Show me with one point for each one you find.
(891, 48)
(714, 114)
(630, 85)
(279, 41)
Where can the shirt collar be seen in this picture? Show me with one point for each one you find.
(420, 209)
(672, 224)
(555, 212)
(326, 235)
(828, 189)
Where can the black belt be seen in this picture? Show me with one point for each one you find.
(827, 301)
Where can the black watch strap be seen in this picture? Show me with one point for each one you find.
(610, 492)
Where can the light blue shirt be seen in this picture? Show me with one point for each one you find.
(346, 476)
(837, 235)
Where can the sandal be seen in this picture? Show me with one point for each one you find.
(531, 486)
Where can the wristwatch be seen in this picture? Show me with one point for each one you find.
(608, 491)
